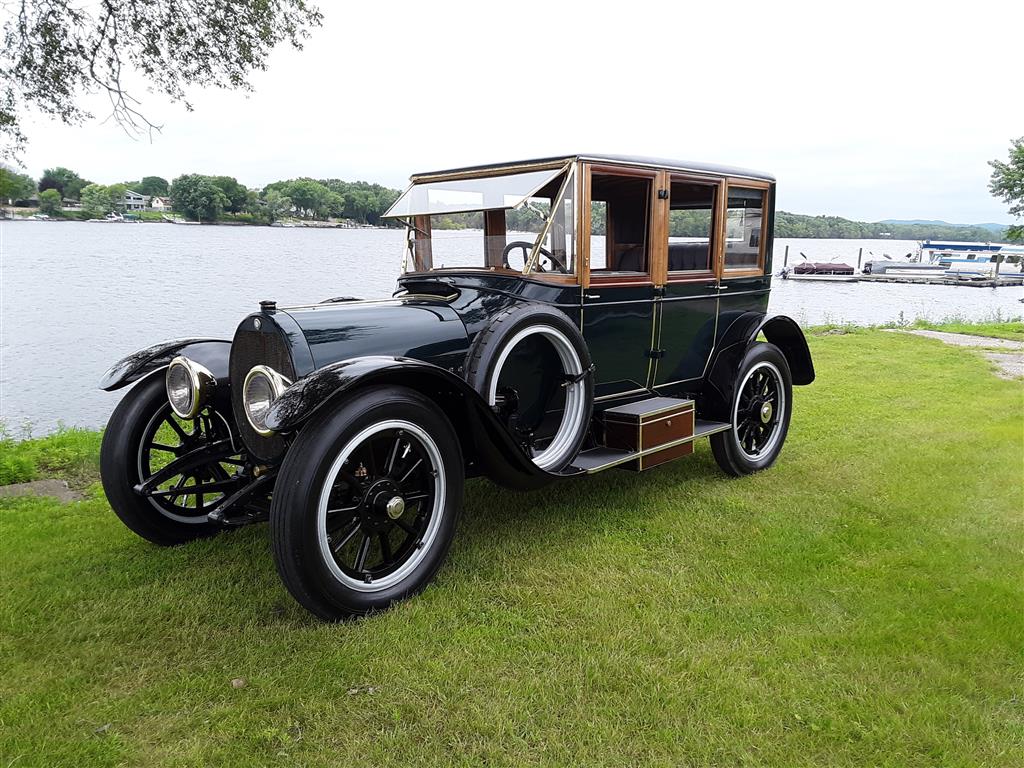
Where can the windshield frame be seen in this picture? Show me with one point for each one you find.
(568, 167)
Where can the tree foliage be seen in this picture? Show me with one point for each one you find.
(100, 199)
(1007, 183)
(153, 186)
(15, 186)
(64, 180)
(50, 202)
(198, 197)
(57, 51)
(236, 194)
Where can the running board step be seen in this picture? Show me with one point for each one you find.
(601, 458)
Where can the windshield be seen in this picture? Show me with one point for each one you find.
(522, 222)
(429, 198)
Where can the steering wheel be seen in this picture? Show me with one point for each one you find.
(527, 247)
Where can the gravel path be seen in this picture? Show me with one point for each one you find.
(1010, 362)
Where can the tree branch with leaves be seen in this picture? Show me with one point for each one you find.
(55, 53)
(1007, 183)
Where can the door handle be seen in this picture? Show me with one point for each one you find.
(591, 295)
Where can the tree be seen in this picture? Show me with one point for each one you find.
(197, 197)
(49, 202)
(276, 205)
(1007, 183)
(96, 200)
(153, 186)
(310, 197)
(64, 180)
(15, 186)
(236, 194)
(57, 51)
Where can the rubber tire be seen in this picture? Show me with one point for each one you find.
(490, 342)
(119, 473)
(293, 512)
(724, 446)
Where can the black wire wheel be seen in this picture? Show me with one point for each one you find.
(366, 503)
(761, 409)
(533, 368)
(163, 474)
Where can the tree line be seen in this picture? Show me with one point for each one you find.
(200, 197)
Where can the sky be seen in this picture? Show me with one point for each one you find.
(867, 111)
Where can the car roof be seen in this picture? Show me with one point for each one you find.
(634, 160)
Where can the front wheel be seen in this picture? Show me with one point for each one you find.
(366, 502)
(761, 408)
(144, 442)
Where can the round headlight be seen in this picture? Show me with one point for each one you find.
(179, 390)
(263, 385)
(188, 386)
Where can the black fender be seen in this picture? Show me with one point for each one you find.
(488, 446)
(717, 392)
(212, 353)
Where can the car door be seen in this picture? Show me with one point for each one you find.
(619, 292)
(688, 307)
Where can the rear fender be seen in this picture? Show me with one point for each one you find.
(717, 393)
(211, 353)
(486, 443)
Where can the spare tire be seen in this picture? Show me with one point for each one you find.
(533, 368)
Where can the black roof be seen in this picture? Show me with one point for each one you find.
(655, 162)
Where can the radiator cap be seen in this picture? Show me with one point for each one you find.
(268, 305)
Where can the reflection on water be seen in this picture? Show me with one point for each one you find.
(76, 297)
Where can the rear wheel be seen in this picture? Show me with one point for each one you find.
(142, 439)
(760, 413)
(366, 502)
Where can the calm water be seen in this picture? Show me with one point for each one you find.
(75, 297)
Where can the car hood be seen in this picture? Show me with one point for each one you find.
(421, 328)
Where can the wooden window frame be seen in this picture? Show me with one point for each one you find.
(721, 271)
(655, 225)
(714, 255)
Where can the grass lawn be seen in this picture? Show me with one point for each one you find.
(862, 603)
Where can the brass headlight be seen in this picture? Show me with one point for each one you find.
(189, 385)
(263, 385)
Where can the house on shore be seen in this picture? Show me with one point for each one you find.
(133, 201)
(157, 203)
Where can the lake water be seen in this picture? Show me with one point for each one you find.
(75, 297)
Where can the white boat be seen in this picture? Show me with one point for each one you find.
(952, 259)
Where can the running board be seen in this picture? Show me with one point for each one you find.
(601, 458)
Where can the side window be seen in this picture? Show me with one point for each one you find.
(620, 216)
(690, 227)
(743, 222)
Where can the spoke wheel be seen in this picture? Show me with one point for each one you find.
(760, 413)
(378, 509)
(140, 442)
(760, 406)
(189, 496)
(366, 502)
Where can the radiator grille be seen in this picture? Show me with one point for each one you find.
(251, 347)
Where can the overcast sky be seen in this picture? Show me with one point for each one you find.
(867, 110)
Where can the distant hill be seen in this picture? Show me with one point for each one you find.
(799, 225)
(991, 226)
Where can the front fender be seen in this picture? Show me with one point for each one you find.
(486, 442)
(212, 353)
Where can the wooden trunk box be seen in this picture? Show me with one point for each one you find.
(647, 424)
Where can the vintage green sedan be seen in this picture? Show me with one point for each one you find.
(554, 318)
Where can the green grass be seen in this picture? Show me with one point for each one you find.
(861, 603)
(1009, 329)
(69, 454)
